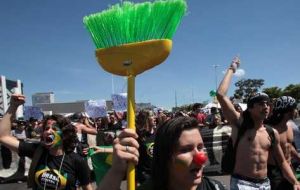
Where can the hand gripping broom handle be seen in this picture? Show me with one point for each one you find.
(131, 125)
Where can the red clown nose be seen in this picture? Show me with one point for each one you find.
(200, 158)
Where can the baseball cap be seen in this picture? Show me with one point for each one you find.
(76, 116)
(257, 97)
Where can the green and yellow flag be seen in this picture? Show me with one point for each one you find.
(101, 162)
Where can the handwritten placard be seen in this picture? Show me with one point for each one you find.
(119, 101)
(34, 112)
(95, 108)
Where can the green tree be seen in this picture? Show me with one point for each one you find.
(246, 87)
(292, 90)
(273, 92)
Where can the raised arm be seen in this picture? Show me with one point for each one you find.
(86, 128)
(227, 107)
(5, 125)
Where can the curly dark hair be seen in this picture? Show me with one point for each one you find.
(69, 136)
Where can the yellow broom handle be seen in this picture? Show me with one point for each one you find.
(131, 125)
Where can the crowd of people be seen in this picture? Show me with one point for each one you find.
(164, 146)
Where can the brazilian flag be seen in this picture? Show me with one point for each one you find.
(297, 173)
(101, 162)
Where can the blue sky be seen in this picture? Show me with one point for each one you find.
(45, 45)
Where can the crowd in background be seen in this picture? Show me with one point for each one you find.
(106, 129)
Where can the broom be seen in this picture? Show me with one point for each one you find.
(131, 38)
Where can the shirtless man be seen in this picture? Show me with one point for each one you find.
(283, 111)
(254, 147)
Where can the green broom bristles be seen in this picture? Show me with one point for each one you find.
(135, 22)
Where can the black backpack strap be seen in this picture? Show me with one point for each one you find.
(271, 133)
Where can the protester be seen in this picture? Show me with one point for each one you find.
(18, 131)
(82, 128)
(33, 129)
(208, 135)
(105, 135)
(177, 142)
(115, 121)
(198, 113)
(296, 130)
(145, 126)
(296, 143)
(210, 117)
(161, 117)
(54, 164)
(283, 111)
(255, 144)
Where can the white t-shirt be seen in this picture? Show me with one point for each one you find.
(19, 134)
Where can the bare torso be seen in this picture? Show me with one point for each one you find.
(252, 153)
(286, 139)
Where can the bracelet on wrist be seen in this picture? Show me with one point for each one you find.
(231, 68)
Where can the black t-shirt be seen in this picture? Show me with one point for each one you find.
(57, 172)
(210, 184)
(206, 184)
(146, 156)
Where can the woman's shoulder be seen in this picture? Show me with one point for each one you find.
(77, 161)
(74, 156)
(210, 184)
(147, 185)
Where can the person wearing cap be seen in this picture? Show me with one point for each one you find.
(54, 164)
(255, 144)
(83, 127)
(283, 111)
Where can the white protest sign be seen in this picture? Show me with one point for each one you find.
(34, 112)
(119, 101)
(95, 108)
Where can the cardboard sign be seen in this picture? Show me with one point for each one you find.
(119, 101)
(32, 111)
(95, 108)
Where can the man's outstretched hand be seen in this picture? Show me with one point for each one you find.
(235, 63)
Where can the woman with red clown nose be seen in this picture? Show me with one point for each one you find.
(178, 158)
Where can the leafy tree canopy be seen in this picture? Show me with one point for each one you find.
(247, 87)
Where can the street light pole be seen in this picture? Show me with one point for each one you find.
(112, 84)
(175, 99)
(216, 76)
